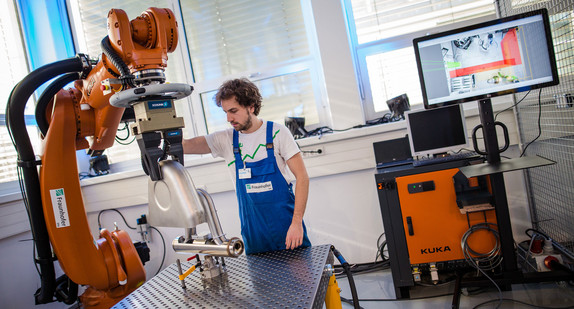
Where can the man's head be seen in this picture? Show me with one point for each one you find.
(241, 102)
(244, 91)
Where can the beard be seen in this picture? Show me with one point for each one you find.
(245, 126)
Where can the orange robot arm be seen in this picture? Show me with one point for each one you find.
(135, 54)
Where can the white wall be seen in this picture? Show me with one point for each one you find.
(19, 279)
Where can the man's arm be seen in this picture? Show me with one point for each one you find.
(295, 233)
(196, 145)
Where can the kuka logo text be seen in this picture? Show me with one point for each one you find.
(435, 250)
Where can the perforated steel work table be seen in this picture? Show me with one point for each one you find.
(280, 279)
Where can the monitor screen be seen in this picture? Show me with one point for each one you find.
(498, 57)
(436, 131)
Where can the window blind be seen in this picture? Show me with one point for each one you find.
(283, 96)
(265, 41)
(14, 70)
(381, 19)
(383, 33)
(231, 37)
(391, 74)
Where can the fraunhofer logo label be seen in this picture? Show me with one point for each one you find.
(259, 187)
(60, 208)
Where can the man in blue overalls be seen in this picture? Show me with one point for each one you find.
(264, 159)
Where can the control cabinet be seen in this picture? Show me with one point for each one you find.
(426, 213)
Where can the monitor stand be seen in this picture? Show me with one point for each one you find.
(510, 267)
(489, 131)
(494, 167)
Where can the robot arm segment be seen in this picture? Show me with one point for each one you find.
(27, 163)
(135, 55)
(110, 266)
(144, 40)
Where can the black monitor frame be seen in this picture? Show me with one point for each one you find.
(477, 28)
(437, 131)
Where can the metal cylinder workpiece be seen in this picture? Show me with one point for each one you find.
(231, 248)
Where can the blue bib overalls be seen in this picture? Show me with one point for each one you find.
(266, 200)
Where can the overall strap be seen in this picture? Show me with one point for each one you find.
(236, 152)
(269, 141)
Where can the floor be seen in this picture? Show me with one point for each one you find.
(376, 290)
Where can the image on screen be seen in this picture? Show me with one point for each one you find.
(489, 59)
(436, 131)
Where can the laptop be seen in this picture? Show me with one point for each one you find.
(394, 152)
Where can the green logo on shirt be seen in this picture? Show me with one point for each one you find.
(255, 152)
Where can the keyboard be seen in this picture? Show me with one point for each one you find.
(453, 157)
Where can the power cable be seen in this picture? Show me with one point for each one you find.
(320, 131)
(122, 140)
(164, 250)
(515, 104)
(121, 215)
(539, 126)
(133, 228)
(346, 267)
(362, 268)
(518, 302)
(483, 261)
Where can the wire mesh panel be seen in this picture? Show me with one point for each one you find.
(546, 126)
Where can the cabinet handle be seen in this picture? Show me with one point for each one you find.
(410, 226)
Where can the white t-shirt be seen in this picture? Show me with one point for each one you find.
(253, 148)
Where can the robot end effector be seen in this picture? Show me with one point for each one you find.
(155, 120)
(173, 199)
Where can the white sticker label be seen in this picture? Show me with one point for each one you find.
(60, 208)
(259, 187)
(245, 173)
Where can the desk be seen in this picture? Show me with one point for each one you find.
(279, 279)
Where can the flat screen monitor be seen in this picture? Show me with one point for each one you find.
(493, 58)
(436, 131)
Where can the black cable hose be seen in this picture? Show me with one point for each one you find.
(118, 62)
(47, 96)
(17, 102)
(346, 267)
(16, 125)
(66, 290)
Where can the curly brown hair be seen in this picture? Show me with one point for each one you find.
(244, 91)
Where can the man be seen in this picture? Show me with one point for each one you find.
(258, 153)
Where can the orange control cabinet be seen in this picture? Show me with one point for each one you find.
(433, 223)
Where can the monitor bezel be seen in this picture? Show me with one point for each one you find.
(435, 151)
(549, 44)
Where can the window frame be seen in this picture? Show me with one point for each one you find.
(360, 53)
(191, 107)
(196, 115)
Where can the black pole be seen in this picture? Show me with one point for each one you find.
(498, 188)
(456, 294)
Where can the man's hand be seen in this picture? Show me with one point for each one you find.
(294, 236)
(295, 233)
